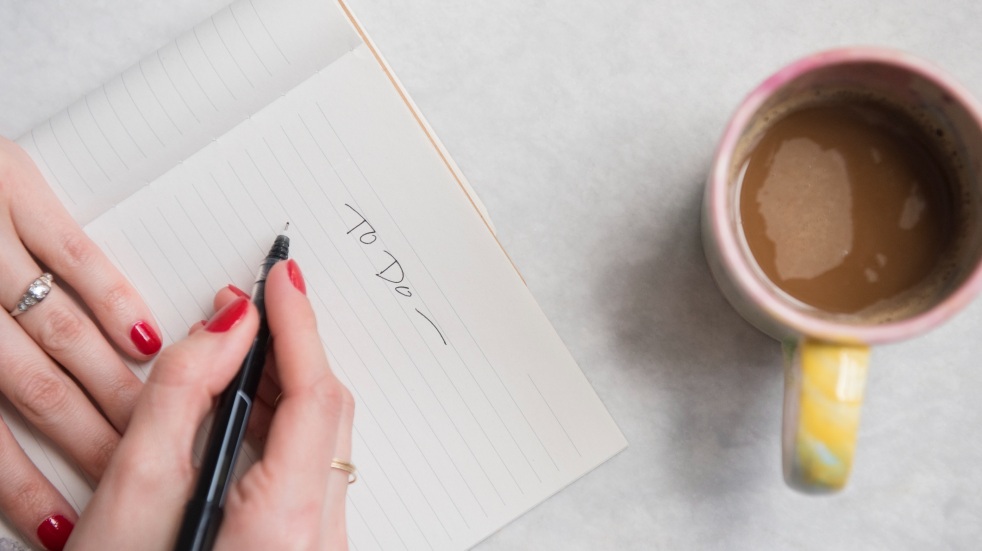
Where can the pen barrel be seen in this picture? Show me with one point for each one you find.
(203, 514)
(200, 527)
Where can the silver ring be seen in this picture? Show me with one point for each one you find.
(35, 293)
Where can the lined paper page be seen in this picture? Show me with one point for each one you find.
(154, 115)
(470, 409)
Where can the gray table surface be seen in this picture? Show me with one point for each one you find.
(587, 128)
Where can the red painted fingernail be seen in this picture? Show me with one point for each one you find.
(145, 338)
(296, 277)
(54, 531)
(224, 319)
(238, 292)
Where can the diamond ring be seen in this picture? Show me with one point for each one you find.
(35, 293)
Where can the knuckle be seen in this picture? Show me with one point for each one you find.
(76, 250)
(29, 494)
(117, 298)
(61, 329)
(124, 391)
(174, 365)
(333, 397)
(120, 400)
(347, 402)
(102, 453)
(42, 393)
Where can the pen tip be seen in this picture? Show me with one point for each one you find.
(286, 227)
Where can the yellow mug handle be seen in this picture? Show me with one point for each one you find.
(823, 392)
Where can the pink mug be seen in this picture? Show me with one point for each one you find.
(826, 354)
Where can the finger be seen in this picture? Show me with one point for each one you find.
(50, 233)
(227, 294)
(151, 475)
(198, 326)
(271, 370)
(304, 431)
(334, 533)
(262, 408)
(52, 402)
(190, 374)
(224, 296)
(65, 333)
(269, 392)
(260, 419)
(31, 503)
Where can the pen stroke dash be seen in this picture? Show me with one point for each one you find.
(434, 326)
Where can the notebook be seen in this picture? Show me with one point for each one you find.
(470, 410)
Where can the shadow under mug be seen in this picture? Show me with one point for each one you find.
(826, 355)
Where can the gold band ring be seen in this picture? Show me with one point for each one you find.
(346, 467)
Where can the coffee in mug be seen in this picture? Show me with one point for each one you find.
(847, 206)
(844, 210)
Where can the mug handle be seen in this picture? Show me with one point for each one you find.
(823, 392)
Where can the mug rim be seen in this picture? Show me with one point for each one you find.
(744, 274)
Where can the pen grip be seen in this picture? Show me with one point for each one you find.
(203, 514)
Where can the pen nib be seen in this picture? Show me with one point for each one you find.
(286, 227)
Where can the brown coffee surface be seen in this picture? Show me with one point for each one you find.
(843, 207)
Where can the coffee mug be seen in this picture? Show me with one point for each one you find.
(825, 344)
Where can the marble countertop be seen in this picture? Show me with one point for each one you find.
(587, 128)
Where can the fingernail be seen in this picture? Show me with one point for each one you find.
(54, 531)
(293, 270)
(238, 292)
(224, 319)
(145, 338)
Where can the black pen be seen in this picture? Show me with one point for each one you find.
(203, 514)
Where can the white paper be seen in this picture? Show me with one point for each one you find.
(470, 410)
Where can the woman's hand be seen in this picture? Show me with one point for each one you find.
(291, 498)
(58, 367)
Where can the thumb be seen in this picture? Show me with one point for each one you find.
(187, 377)
(151, 474)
